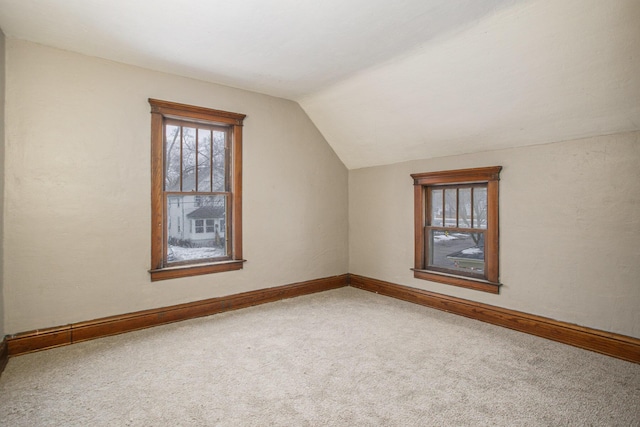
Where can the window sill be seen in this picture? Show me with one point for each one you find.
(195, 270)
(464, 282)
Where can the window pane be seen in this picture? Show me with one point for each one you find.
(172, 161)
(201, 237)
(436, 208)
(450, 207)
(204, 160)
(464, 207)
(219, 154)
(480, 207)
(459, 252)
(188, 159)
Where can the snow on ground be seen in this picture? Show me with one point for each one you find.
(473, 250)
(178, 253)
(442, 237)
(449, 236)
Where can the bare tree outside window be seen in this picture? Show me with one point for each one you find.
(196, 195)
(460, 250)
(456, 227)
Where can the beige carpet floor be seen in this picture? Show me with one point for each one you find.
(340, 358)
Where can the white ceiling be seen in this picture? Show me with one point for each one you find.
(383, 81)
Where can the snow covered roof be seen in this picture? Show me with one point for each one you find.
(207, 212)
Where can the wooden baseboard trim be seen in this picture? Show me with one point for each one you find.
(615, 345)
(31, 341)
(4, 354)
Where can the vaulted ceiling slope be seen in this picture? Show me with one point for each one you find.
(383, 81)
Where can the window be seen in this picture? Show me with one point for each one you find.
(211, 226)
(196, 167)
(456, 227)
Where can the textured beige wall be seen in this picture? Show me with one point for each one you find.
(2, 75)
(569, 229)
(78, 190)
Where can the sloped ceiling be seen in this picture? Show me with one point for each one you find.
(383, 81)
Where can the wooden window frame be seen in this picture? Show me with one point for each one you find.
(162, 111)
(422, 183)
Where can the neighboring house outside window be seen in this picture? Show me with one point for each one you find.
(456, 227)
(205, 220)
(196, 190)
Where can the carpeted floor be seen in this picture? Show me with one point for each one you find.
(339, 358)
